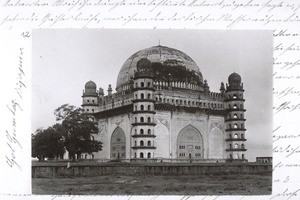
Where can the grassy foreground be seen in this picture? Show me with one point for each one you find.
(232, 184)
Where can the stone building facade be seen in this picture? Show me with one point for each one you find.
(163, 110)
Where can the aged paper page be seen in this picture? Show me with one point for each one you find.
(19, 17)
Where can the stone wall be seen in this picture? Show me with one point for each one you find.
(98, 169)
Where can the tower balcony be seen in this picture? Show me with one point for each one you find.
(143, 136)
(235, 109)
(143, 111)
(144, 88)
(143, 124)
(236, 149)
(143, 100)
(143, 147)
(90, 94)
(235, 139)
(234, 88)
(89, 104)
(235, 129)
(232, 99)
(234, 119)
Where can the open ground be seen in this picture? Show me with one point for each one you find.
(231, 184)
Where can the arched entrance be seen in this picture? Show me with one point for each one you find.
(118, 144)
(189, 143)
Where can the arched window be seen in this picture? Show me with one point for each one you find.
(229, 125)
(243, 146)
(149, 107)
(149, 155)
(229, 106)
(230, 156)
(241, 116)
(136, 96)
(134, 155)
(242, 125)
(141, 143)
(135, 131)
(241, 106)
(149, 143)
(234, 96)
(149, 84)
(235, 116)
(141, 155)
(236, 146)
(235, 126)
(234, 106)
(229, 116)
(242, 136)
(135, 143)
(230, 136)
(149, 96)
(235, 135)
(230, 146)
(243, 156)
(142, 119)
(149, 119)
(149, 131)
(142, 84)
(136, 85)
(142, 96)
(141, 131)
(142, 107)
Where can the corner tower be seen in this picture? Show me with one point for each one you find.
(90, 99)
(143, 111)
(235, 119)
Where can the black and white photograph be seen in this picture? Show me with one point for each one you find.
(151, 112)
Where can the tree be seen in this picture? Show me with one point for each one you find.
(77, 131)
(47, 143)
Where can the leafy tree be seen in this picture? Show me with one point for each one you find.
(47, 143)
(77, 131)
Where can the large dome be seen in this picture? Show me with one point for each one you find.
(168, 63)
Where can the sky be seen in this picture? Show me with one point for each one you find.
(65, 59)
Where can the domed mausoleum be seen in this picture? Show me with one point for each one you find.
(163, 110)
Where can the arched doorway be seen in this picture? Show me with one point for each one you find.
(190, 143)
(118, 144)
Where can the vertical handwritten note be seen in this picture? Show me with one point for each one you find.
(19, 17)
